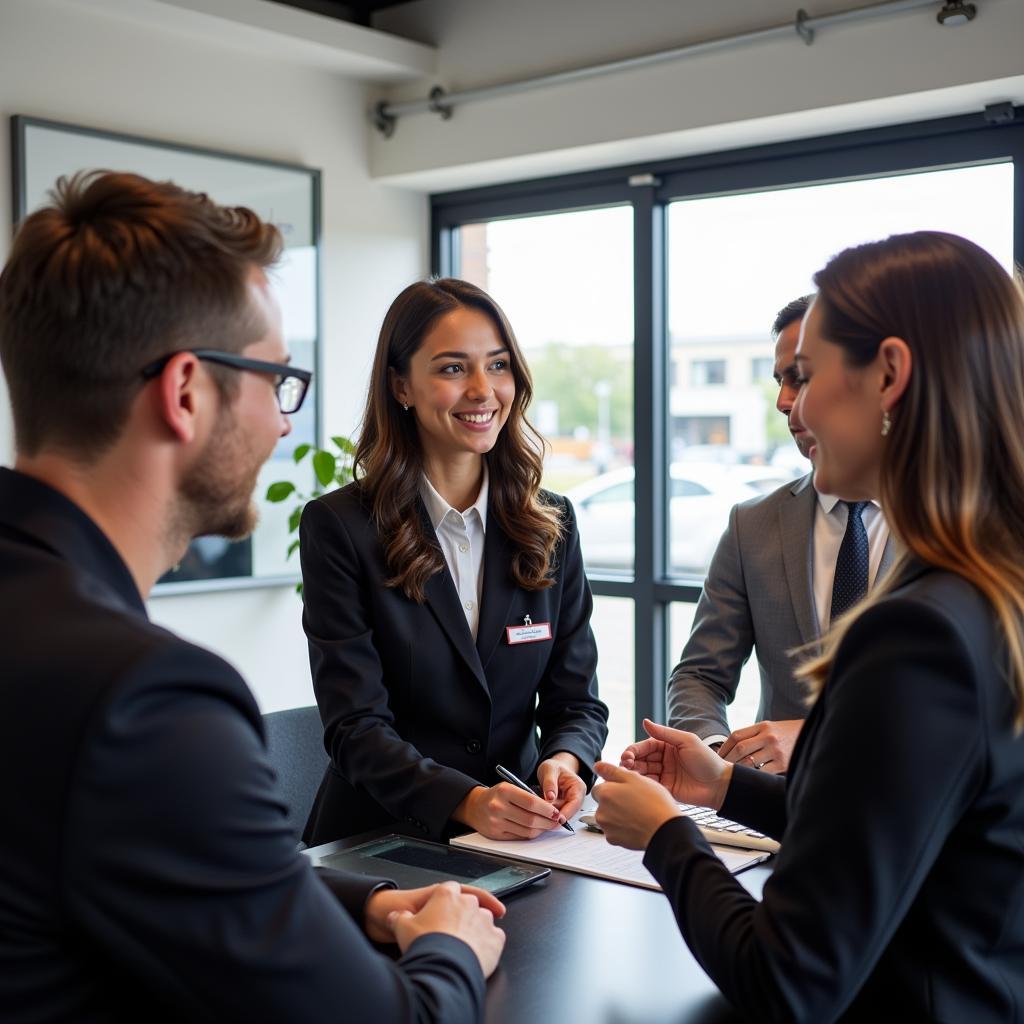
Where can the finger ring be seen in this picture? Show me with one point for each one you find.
(760, 764)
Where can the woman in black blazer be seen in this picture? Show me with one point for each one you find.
(898, 893)
(446, 607)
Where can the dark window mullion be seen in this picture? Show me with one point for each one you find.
(648, 454)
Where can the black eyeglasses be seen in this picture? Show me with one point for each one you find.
(291, 384)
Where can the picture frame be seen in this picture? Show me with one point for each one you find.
(285, 194)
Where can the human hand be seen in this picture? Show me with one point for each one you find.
(385, 902)
(505, 811)
(689, 769)
(766, 745)
(450, 911)
(631, 807)
(560, 784)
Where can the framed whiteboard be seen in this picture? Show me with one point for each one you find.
(284, 194)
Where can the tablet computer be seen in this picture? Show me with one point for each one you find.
(411, 863)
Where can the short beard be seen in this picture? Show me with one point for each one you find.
(216, 493)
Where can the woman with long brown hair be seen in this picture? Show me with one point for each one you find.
(898, 893)
(446, 606)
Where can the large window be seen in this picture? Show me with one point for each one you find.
(565, 282)
(720, 309)
(643, 298)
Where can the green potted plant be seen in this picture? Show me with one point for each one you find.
(330, 470)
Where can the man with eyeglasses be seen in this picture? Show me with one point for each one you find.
(148, 871)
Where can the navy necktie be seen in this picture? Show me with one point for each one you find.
(851, 580)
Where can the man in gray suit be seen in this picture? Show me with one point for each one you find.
(769, 588)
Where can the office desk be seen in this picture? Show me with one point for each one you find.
(585, 950)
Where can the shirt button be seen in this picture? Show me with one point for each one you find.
(463, 547)
(469, 606)
(473, 747)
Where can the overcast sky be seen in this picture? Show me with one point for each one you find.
(734, 261)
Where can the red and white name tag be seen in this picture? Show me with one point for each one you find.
(531, 634)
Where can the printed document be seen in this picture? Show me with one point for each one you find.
(590, 853)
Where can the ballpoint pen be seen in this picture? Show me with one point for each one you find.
(516, 781)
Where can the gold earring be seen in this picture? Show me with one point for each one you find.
(886, 423)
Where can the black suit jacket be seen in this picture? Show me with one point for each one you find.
(147, 872)
(415, 713)
(899, 889)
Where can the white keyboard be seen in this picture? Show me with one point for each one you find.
(724, 832)
(720, 831)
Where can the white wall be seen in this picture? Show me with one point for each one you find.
(888, 70)
(66, 62)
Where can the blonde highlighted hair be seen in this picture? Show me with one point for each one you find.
(952, 473)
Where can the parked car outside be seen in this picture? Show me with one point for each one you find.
(701, 495)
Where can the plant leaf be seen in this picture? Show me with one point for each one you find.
(293, 519)
(301, 451)
(280, 490)
(344, 444)
(291, 547)
(324, 465)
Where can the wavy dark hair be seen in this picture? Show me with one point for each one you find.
(952, 474)
(389, 457)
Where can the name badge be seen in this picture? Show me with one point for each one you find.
(531, 634)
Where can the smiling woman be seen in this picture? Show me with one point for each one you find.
(418, 579)
(460, 388)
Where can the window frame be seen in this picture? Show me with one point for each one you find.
(649, 188)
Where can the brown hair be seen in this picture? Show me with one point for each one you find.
(389, 459)
(117, 272)
(952, 473)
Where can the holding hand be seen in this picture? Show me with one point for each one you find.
(464, 912)
(690, 770)
(631, 808)
(766, 745)
(560, 785)
(505, 811)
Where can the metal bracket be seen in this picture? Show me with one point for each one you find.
(999, 113)
(437, 94)
(802, 30)
(383, 121)
(643, 181)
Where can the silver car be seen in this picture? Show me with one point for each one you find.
(701, 495)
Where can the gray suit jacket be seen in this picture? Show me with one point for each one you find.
(758, 595)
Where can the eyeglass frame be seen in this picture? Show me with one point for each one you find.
(216, 355)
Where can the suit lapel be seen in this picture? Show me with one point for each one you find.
(443, 600)
(888, 557)
(499, 588)
(796, 527)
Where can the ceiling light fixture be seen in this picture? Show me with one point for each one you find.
(955, 13)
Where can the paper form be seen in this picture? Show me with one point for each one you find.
(590, 853)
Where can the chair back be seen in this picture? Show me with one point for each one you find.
(295, 743)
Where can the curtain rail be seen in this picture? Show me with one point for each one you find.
(804, 26)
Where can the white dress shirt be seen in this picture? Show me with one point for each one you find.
(461, 536)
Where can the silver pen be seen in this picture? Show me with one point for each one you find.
(516, 781)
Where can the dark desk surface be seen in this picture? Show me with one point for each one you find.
(585, 950)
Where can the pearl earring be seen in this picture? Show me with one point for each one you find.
(405, 406)
(886, 423)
